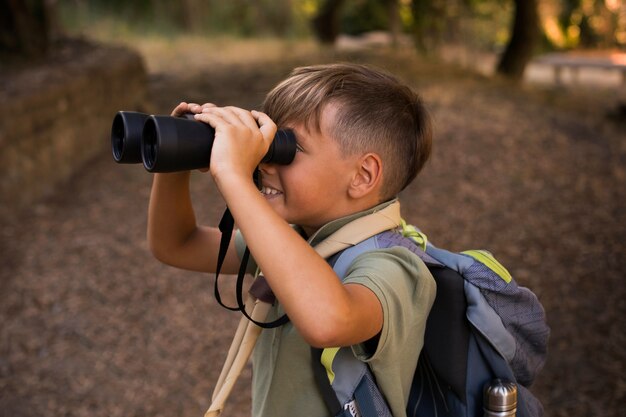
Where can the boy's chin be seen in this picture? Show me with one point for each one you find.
(275, 203)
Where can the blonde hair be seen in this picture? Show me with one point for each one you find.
(377, 113)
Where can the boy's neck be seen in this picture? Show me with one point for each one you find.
(327, 229)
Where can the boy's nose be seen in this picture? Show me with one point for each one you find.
(267, 168)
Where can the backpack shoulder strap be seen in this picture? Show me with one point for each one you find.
(386, 239)
(361, 229)
(342, 378)
(346, 383)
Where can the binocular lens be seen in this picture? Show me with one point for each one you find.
(117, 138)
(126, 134)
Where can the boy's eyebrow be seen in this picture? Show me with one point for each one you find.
(300, 134)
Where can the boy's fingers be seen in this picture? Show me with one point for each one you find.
(206, 106)
(253, 120)
(266, 124)
(210, 118)
(244, 116)
(194, 108)
(214, 115)
(185, 107)
(180, 109)
(233, 116)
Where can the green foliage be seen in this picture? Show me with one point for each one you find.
(488, 24)
(359, 16)
(478, 24)
(285, 18)
(591, 23)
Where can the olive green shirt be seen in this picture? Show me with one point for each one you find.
(283, 384)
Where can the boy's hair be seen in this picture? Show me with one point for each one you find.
(377, 113)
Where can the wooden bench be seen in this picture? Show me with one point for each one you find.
(575, 62)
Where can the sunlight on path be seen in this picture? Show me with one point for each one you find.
(602, 69)
(194, 53)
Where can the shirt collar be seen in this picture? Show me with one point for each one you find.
(334, 225)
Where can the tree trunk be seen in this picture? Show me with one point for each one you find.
(524, 36)
(326, 22)
(395, 23)
(188, 15)
(428, 23)
(23, 27)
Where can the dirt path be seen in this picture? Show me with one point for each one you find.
(93, 326)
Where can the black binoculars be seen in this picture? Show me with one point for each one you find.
(169, 144)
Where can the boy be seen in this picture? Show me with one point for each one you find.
(361, 138)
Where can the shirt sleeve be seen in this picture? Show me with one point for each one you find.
(405, 289)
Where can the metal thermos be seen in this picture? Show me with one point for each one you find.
(500, 398)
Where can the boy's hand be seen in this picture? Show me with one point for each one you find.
(194, 108)
(242, 138)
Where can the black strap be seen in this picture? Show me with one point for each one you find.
(240, 302)
(362, 397)
(226, 227)
(447, 350)
(321, 378)
(319, 371)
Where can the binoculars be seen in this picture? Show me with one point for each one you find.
(169, 144)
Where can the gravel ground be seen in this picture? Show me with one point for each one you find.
(92, 325)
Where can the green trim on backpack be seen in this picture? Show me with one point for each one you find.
(487, 259)
(328, 356)
(481, 256)
(414, 234)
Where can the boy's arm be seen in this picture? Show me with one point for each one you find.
(326, 312)
(173, 235)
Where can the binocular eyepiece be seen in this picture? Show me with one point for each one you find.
(169, 144)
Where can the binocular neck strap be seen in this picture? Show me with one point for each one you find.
(349, 235)
(226, 227)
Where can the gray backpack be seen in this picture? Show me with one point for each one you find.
(482, 326)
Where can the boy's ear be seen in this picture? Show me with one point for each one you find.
(367, 177)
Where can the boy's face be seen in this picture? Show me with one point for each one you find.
(313, 189)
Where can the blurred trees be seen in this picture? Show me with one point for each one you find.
(430, 18)
(486, 23)
(431, 21)
(514, 29)
(205, 17)
(27, 27)
(585, 23)
(325, 23)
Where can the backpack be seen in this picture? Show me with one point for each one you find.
(482, 326)
(499, 328)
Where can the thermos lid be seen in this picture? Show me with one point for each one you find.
(500, 395)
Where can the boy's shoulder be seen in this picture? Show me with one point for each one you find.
(387, 251)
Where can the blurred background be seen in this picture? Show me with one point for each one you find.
(528, 99)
